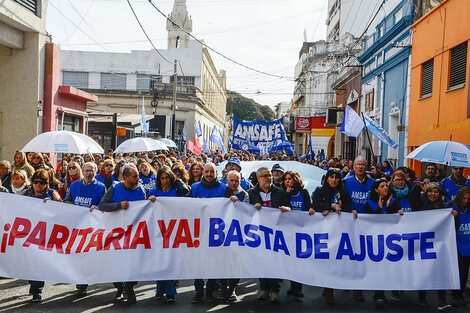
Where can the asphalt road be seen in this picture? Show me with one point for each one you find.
(62, 298)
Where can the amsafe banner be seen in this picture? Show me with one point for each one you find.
(182, 238)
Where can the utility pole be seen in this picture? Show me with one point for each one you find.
(173, 119)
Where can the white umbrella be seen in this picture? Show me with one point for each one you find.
(62, 141)
(140, 144)
(311, 175)
(443, 152)
(170, 143)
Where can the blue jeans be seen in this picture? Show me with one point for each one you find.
(199, 285)
(35, 287)
(167, 287)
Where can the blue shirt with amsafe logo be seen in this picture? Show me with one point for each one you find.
(359, 192)
(86, 195)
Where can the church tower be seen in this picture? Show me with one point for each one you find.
(177, 38)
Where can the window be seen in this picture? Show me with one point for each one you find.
(183, 80)
(113, 81)
(427, 73)
(458, 65)
(30, 5)
(75, 79)
(398, 15)
(370, 101)
(178, 42)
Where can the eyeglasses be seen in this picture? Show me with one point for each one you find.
(109, 165)
(36, 157)
(40, 182)
(266, 175)
(360, 165)
(72, 168)
(398, 180)
(460, 169)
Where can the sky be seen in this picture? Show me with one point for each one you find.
(263, 34)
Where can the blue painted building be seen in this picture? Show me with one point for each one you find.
(386, 79)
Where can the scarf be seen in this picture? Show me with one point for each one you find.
(17, 191)
(401, 193)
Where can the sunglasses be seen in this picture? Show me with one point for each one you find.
(110, 165)
(36, 157)
(72, 168)
(40, 182)
(458, 169)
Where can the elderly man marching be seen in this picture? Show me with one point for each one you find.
(233, 164)
(86, 192)
(265, 194)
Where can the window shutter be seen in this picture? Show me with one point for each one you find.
(30, 5)
(458, 65)
(426, 79)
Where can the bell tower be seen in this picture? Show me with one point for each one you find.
(177, 38)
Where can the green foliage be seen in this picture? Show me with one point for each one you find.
(248, 109)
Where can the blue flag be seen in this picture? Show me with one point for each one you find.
(199, 129)
(184, 133)
(143, 122)
(309, 155)
(216, 137)
(352, 123)
(205, 147)
(380, 133)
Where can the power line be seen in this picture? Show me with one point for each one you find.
(84, 33)
(145, 33)
(215, 51)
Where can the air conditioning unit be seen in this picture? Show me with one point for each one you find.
(331, 116)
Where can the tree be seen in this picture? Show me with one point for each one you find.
(248, 109)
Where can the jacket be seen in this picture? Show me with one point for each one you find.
(324, 195)
(279, 196)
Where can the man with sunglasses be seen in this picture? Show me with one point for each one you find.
(266, 194)
(86, 192)
(454, 182)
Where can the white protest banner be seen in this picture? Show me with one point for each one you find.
(182, 238)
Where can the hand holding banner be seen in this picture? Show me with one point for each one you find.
(185, 238)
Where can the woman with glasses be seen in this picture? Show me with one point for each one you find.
(106, 170)
(147, 175)
(37, 161)
(167, 185)
(429, 196)
(400, 189)
(180, 172)
(116, 176)
(40, 189)
(74, 172)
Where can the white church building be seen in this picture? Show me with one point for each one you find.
(122, 80)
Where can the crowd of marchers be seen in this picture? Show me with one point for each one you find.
(109, 182)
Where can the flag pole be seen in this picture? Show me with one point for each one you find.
(368, 138)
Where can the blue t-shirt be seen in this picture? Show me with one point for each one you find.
(405, 205)
(86, 195)
(463, 233)
(148, 182)
(121, 194)
(358, 192)
(451, 189)
(297, 202)
(100, 178)
(198, 191)
(158, 193)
